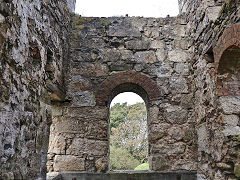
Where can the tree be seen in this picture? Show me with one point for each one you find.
(129, 129)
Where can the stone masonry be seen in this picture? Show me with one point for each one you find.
(112, 55)
(59, 72)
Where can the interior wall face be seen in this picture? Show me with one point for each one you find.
(54, 71)
(106, 52)
(215, 28)
(33, 45)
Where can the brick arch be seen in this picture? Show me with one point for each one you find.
(133, 77)
(230, 37)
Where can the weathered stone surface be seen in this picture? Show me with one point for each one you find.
(83, 98)
(153, 114)
(178, 56)
(157, 44)
(81, 146)
(147, 57)
(230, 104)
(177, 148)
(161, 54)
(158, 163)
(90, 70)
(138, 45)
(175, 115)
(88, 112)
(231, 120)
(181, 68)
(231, 130)
(68, 163)
(174, 52)
(213, 12)
(203, 139)
(178, 85)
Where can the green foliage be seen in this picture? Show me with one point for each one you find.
(144, 166)
(129, 130)
(120, 159)
(118, 114)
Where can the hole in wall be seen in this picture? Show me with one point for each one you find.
(128, 133)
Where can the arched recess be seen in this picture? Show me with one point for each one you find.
(230, 37)
(227, 61)
(130, 81)
(127, 81)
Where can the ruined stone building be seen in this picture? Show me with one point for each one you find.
(59, 72)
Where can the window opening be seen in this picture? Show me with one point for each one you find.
(128, 133)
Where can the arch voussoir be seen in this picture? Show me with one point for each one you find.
(114, 80)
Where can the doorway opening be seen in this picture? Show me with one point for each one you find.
(128, 133)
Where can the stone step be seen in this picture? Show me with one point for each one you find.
(127, 175)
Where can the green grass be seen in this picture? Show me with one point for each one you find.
(144, 166)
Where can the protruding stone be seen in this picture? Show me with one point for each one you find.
(68, 163)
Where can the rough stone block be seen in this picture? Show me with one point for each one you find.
(57, 144)
(178, 85)
(90, 70)
(161, 54)
(213, 12)
(138, 44)
(88, 112)
(158, 163)
(153, 114)
(181, 68)
(231, 120)
(178, 55)
(89, 128)
(81, 146)
(157, 44)
(157, 131)
(68, 163)
(145, 56)
(203, 138)
(230, 104)
(78, 83)
(168, 149)
(83, 98)
(175, 115)
(231, 130)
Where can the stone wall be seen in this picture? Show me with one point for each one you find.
(151, 57)
(33, 47)
(214, 27)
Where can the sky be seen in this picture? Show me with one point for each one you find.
(129, 97)
(145, 8)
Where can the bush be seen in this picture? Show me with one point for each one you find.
(121, 159)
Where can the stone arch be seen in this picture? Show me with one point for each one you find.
(227, 62)
(126, 80)
(230, 37)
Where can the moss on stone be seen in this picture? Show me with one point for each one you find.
(79, 26)
(237, 170)
(236, 138)
(105, 22)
